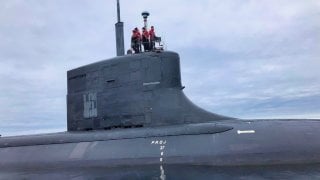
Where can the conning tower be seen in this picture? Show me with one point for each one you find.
(139, 90)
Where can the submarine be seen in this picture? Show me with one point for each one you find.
(128, 118)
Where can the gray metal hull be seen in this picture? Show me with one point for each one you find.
(248, 144)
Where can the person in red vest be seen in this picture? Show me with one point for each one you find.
(135, 41)
(145, 39)
(138, 35)
(152, 35)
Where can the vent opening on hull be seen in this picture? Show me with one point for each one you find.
(111, 81)
(123, 127)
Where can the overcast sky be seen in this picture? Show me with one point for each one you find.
(247, 59)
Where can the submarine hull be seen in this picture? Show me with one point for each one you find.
(251, 143)
(129, 118)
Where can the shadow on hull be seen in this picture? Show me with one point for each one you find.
(293, 172)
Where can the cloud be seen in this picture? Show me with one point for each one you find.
(248, 58)
(240, 84)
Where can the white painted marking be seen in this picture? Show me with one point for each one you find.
(151, 83)
(161, 144)
(161, 168)
(246, 131)
(162, 174)
(90, 105)
(79, 150)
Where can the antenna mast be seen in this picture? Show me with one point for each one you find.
(119, 33)
(145, 15)
(118, 10)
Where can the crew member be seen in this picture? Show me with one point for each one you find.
(152, 35)
(145, 39)
(134, 41)
(138, 34)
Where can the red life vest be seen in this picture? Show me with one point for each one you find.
(138, 35)
(145, 34)
(152, 34)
